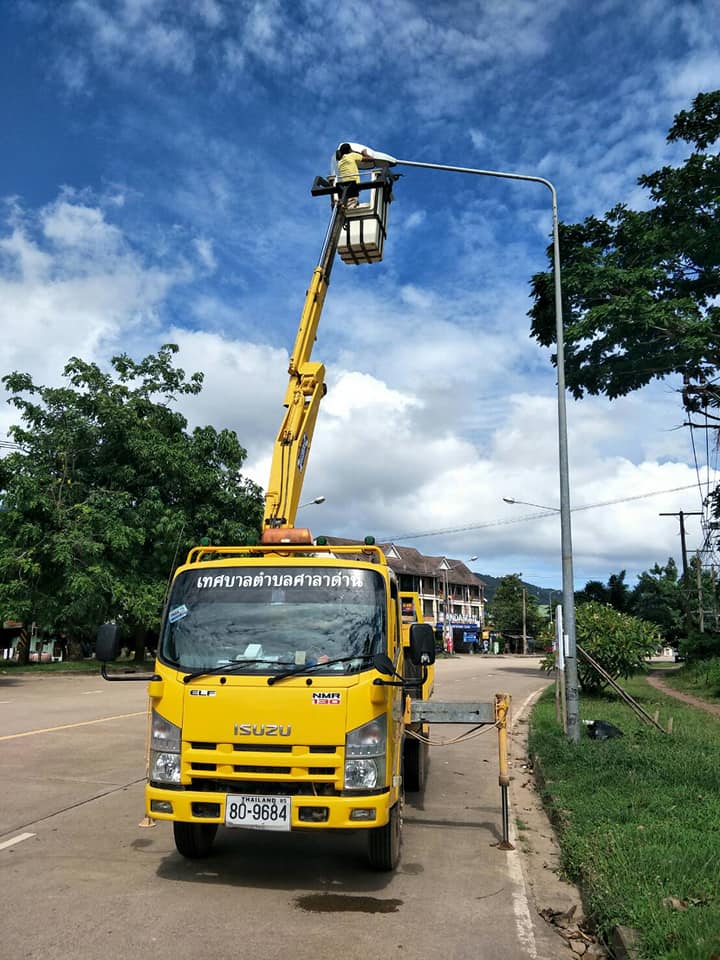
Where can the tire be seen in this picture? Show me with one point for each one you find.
(384, 842)
(415, 760)
(194, 840)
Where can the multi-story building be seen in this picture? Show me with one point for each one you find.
(450, 593)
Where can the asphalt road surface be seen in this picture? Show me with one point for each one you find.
(83, 878)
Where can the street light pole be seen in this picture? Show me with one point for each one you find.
(571, 682)
(446, 639)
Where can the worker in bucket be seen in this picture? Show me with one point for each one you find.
(347, 167)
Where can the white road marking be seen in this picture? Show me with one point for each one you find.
(520, 900)
(18, 839)
(71, 726)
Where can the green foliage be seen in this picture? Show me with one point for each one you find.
(699, 677)
(700, 646)
(658, 597)
(108, 491)
(637, 820)
(506, 609)
(616, 592)
(619, 642)
(641, 288)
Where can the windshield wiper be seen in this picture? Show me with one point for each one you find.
(224, 668)
(307, 667)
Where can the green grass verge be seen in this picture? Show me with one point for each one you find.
(701, 678)
(639, 819)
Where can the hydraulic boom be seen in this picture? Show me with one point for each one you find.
(306, 385)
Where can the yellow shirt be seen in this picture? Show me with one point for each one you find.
(348, 167)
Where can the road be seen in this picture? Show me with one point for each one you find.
(83, 878)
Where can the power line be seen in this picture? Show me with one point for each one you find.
(529, 516)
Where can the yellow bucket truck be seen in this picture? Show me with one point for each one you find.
(285, 670)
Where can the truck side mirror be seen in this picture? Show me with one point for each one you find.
(422, 644)
(107, 642)
(383, 664)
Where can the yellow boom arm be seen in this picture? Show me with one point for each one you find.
(305, 390)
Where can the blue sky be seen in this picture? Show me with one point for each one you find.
(156, 172)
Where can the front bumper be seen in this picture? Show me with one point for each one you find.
(196, 806)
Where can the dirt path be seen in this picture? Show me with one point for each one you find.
(655, 681)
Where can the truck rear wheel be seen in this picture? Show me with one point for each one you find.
(415, 760)
(384, 842)
(194, 840)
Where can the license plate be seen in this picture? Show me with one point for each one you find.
(259, 813)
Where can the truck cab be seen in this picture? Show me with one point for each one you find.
(279, 698)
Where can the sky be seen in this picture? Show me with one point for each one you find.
(155, 187)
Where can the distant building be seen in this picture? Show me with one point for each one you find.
(432, 578)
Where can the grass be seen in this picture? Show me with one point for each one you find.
(639, 820)
(701, 678)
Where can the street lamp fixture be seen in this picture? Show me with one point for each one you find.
(526, 503)
(311, 502)
(571, 684)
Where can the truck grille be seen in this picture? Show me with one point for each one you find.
(282, 769)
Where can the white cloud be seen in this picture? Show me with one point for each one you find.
(70, 287)
(244, 386)
(439, 47)
(696, 75)
(73, 226)
(479, 139)
(204, 249)
(415, 219)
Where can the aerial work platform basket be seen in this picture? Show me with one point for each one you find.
(363, 207)
(363, 234)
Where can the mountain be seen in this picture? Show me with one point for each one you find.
(543, 595)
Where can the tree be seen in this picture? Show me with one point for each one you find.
(702, 639)
(658, 598)
(593, 591)
(108, 491)
(616, 592)
(619, 642)
(506, 609)
(641, 288)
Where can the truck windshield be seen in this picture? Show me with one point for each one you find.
(267, 619)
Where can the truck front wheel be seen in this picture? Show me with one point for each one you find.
(384, 842)
(415, 759)
(194, 840)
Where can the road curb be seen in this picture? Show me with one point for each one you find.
(624, 942)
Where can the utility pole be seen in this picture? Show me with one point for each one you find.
(525, 620)
(682, 514)
(701, 611)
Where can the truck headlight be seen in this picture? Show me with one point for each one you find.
(164, 750)
(164, 767)
(365, 748)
